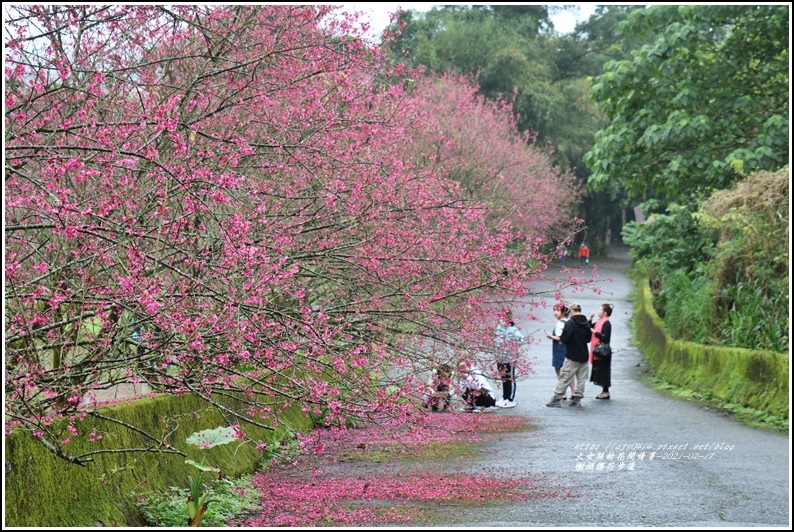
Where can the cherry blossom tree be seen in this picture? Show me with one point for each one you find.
(227, 201)
(477, 143)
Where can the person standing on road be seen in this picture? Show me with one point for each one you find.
(561, 252)
(601, 330)
(584, 255)
(575, 335)
(558, 349)
(508, 342)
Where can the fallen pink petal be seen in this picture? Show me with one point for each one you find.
(338, 485)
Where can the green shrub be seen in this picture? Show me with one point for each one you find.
(684, 303)
(669, 242)
(230, 498)
(719, 272)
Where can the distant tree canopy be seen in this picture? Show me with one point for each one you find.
(704, 103)
(515, 54)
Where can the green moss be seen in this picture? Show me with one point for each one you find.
(754, 381)
(749, 416)
(45, 491)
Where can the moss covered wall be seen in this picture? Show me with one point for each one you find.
(757, 379)
(45, 491)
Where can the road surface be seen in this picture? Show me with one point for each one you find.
(707, 470)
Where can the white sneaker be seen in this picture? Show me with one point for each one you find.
(507, 404)
(501, 403)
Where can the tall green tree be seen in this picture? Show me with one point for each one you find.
(579, 57)
(594, 42)
(516, 54)
(502, 46)
(705, 102)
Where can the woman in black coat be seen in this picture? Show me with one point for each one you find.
(601, 372)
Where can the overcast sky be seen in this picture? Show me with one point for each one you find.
(379, 13)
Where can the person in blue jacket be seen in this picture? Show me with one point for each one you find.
(558, 348)
(508, 343)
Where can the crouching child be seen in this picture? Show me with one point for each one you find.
(437, 398)
(474, 388)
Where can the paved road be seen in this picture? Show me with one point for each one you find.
(744, 482)
(741, 479)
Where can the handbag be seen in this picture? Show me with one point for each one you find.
(602, 351)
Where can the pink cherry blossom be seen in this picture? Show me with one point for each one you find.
(250, 201)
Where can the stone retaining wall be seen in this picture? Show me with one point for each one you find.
(43, 490)
(757, 379)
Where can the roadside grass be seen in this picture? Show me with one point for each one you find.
(749, 416)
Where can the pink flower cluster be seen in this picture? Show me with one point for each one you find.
(249, 200)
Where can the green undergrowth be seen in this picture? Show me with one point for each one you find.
(749, 416)
(230, 498)
(42, 490)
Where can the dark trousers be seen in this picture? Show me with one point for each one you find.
(478, 398)
(507, 374)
